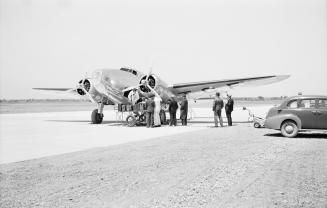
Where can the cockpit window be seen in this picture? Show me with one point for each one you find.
(129, 70)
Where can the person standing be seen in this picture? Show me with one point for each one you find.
(133, 96)
(184, 110)
(157, 108)
(229, 109)
(149, 104)
(218, 105)
(173, 106)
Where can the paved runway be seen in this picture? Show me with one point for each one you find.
(33, 135)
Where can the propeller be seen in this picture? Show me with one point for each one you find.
(82, 86)
(147, 82)
(144, 82)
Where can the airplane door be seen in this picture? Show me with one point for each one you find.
(321, 114)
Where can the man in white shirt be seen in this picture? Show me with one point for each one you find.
(133, 96)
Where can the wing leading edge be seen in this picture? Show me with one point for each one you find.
(67, 92)
(193, 87)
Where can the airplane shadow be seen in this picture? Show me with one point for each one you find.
(87, 121)
(119, 123)
(301, 135)
(225, 123)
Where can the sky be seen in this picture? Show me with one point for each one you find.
(54, 43)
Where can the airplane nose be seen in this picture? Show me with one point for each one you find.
(97, 76)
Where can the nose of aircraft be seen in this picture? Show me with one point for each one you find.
(98, 82)
(97, 76)
(103, 83)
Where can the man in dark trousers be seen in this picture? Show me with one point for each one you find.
(229, 109)
(149, 105)
(218, 105)
(173, 106)
(184, 110)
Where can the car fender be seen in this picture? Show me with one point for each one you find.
(276, 121)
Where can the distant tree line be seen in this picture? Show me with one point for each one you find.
(39, 100)
(259, 98)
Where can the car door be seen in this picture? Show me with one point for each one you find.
(307, 113)
(304, 109)
(321, 114)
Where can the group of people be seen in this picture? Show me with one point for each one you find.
(218, 105)
(154, 112)
(153, 109)
(173, 106)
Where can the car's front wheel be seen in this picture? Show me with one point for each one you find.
(289, 129)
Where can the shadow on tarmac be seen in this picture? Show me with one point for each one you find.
(124, 122)
(302, 135)
(87, 121)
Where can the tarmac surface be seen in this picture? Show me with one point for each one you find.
(26, 136)
(64, 161)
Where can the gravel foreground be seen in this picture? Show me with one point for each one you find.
(235, 166)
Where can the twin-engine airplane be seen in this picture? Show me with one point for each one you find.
(112, 86)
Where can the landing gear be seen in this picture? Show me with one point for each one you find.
(97, 114)
(96, 117)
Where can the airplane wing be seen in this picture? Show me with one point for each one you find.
(194, 87)
(54, 89)
(66, 92)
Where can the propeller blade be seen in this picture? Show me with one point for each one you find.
(149, 73)
(88, 95)
(152, 90)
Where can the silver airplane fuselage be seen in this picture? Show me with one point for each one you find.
(108, 85)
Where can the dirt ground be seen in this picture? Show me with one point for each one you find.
(235, 166)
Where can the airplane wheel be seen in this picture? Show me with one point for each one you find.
(131, 120)
(96, 117)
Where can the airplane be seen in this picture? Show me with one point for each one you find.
(112, 86)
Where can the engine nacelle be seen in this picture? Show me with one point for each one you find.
(86, 85)
(152, 81)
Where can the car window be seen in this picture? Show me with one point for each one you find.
(322, 103)
(292, 104)
(307, 103)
